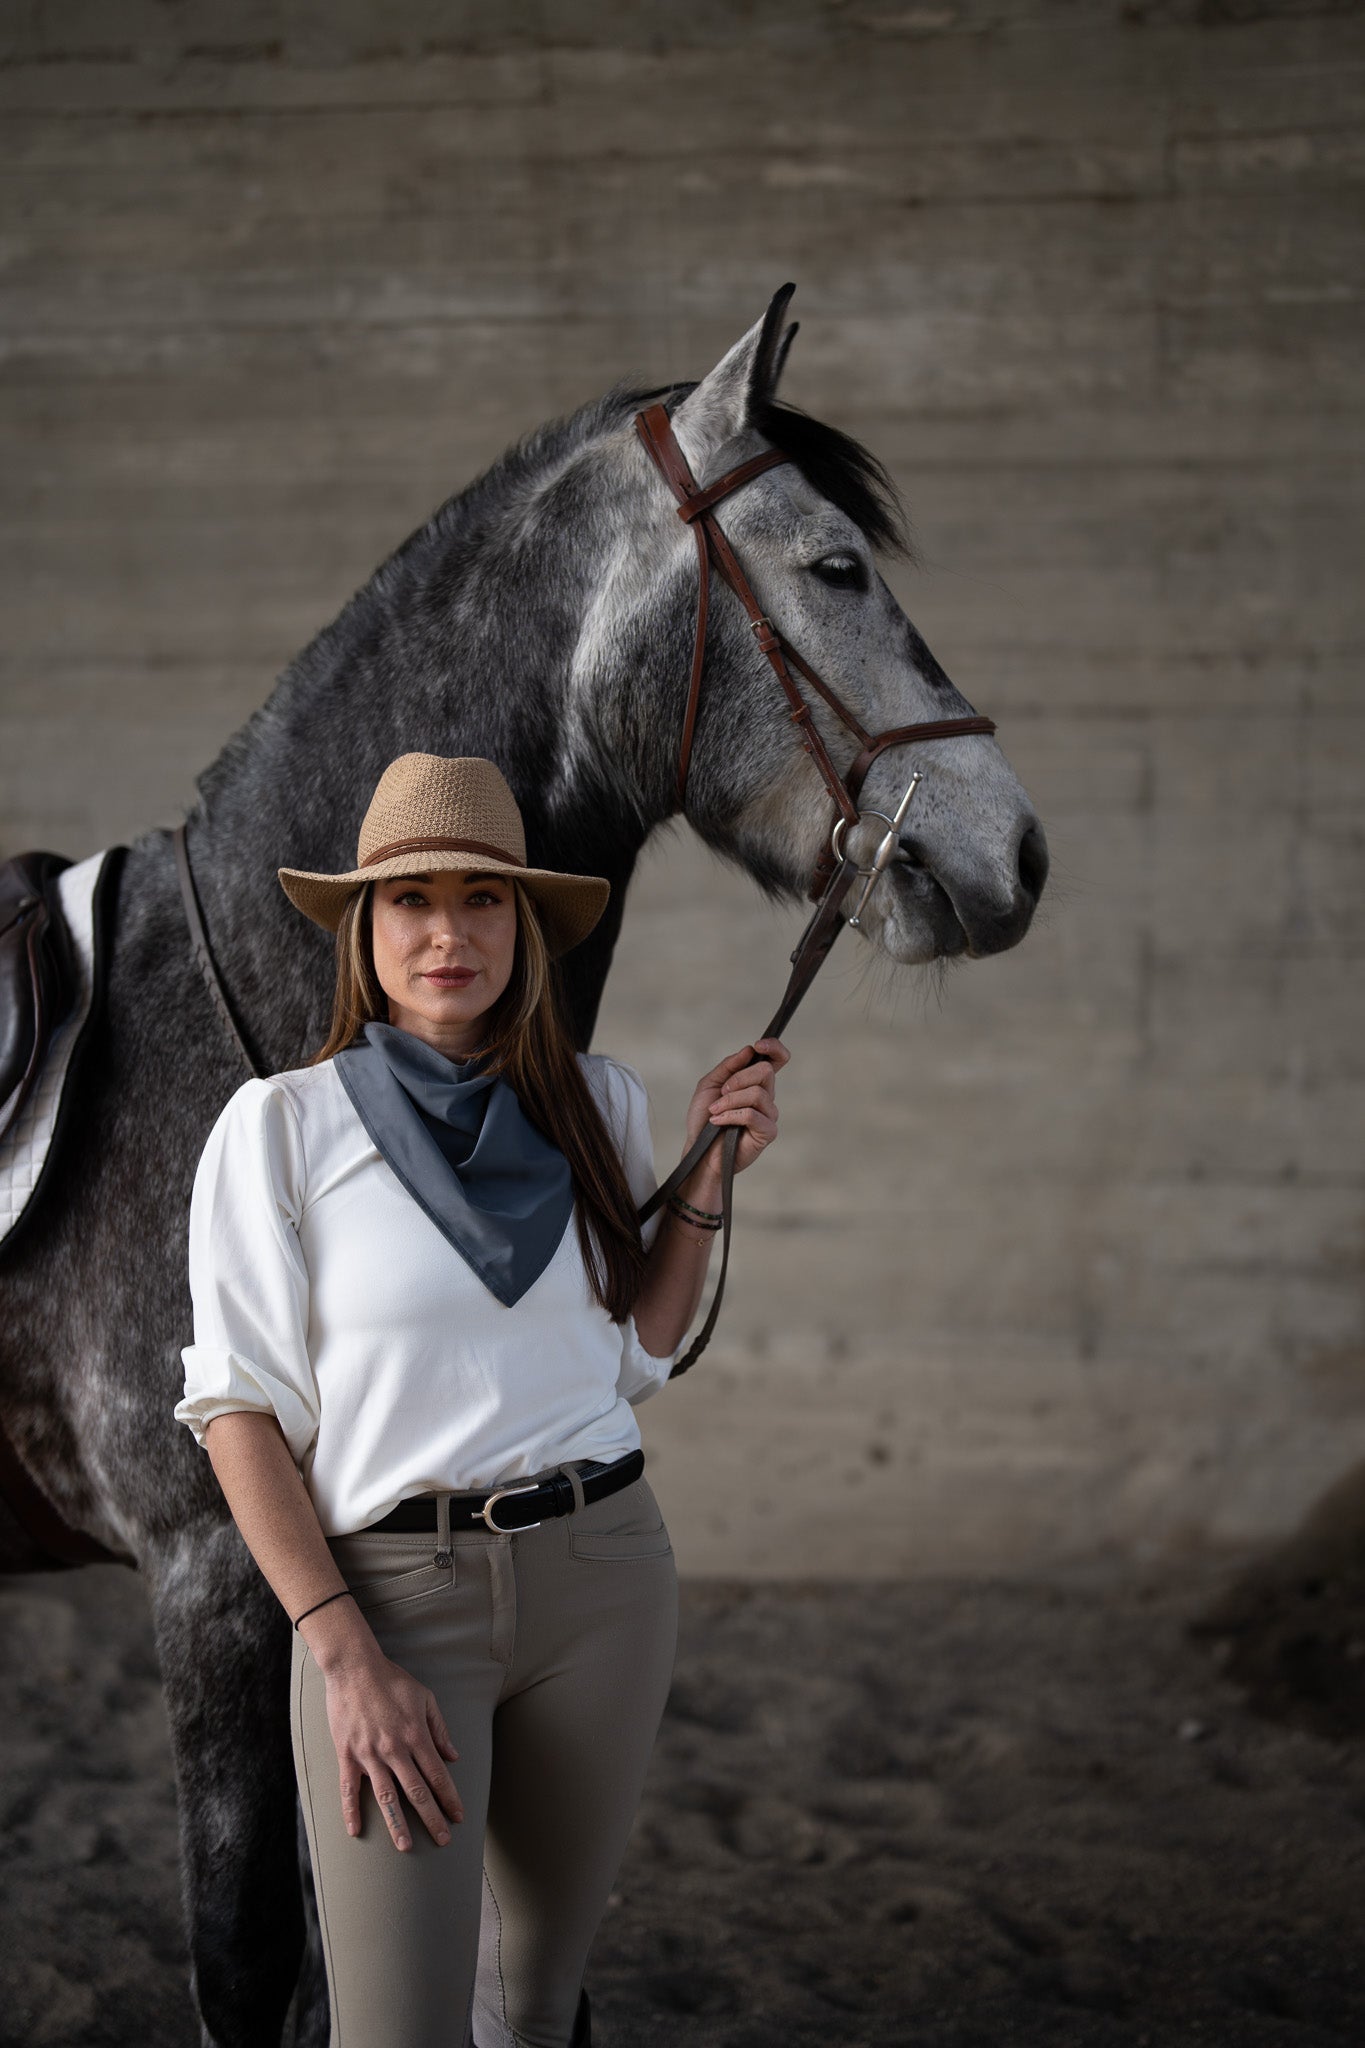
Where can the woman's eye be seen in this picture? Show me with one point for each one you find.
(843, 572)
(410, 896)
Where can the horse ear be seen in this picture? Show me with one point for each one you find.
(723, 404)
(784, 349)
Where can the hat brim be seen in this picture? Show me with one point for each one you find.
(569, 905)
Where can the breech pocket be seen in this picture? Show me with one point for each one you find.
(378, 1580)
(625, 1525)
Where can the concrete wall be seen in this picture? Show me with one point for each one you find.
(1065, 1260)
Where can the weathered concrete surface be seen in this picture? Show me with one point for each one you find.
(1065, 1258)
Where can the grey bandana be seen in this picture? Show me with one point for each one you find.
(463, 1147)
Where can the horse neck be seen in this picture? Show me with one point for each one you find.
(450, 649)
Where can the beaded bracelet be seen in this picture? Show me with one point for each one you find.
(690, 1234)
(703, 1215)
(697, 1222)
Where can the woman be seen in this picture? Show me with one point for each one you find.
(416, 1384)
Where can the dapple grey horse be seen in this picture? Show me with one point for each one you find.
(542, 617)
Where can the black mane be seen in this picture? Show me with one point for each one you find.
(832, 462)
(840, 469)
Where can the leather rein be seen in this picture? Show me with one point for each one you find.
(835, 871)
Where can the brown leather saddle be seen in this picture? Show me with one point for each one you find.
(39, 973)
(41, 981)
(40, 984)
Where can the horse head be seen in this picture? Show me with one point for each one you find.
(971, 859)
(544, 616)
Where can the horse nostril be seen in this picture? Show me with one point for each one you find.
(1033, 862)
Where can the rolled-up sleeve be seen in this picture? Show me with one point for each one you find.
(642, 1374)
(248, 1279)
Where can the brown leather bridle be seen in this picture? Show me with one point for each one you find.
(696, 506)
(835, 871)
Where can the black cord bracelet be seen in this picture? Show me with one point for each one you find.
(321, 1603)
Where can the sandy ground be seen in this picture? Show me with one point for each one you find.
(936, 1814)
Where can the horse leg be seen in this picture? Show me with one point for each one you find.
(223, 1643)
(312, 2004)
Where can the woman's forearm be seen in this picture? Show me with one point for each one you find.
(274, 1512)
(737, 1094)
(678, 1259)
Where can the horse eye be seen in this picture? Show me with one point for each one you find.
(843, 572)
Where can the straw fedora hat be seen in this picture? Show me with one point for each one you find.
(430, 812)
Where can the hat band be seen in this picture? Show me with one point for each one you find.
(439, 846)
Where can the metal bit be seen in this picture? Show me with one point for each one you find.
(886, 851)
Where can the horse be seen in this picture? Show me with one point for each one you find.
(543, 617)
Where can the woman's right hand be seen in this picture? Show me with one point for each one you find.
(388, 1728)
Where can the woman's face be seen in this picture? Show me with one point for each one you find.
(444, 947)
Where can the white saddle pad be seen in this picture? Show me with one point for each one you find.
(24, 1146)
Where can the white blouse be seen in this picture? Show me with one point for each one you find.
(325, 1296)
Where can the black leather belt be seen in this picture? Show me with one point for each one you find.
(535, 1501)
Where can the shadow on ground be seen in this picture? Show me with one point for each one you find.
(938, 1813)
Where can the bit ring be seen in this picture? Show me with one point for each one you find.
(839, 824)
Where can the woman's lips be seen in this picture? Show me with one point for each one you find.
(452, 977)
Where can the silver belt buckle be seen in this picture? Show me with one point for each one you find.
(486, 1511)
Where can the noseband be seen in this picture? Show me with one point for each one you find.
(835, 871)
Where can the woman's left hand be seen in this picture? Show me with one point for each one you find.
(741, 1090)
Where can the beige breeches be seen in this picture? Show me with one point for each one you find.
(550, 1651)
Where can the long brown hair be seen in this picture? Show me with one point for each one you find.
(528, 1043)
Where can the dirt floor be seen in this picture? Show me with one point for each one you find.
(936, 1814)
